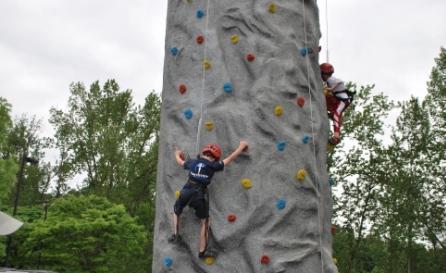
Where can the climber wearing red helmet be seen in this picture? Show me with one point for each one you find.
(194, 192)
(338, 98)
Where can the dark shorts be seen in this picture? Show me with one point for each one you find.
(196, 198)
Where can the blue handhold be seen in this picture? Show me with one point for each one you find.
(188, 114)
(331, 181)
(200, 13)
(174, 51)
(281, 145)
(227, 87)
(168, 261)
(281, 204)
(306, 139)
(303, 51)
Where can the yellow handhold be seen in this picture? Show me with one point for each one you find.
(335, 261)
(300, 175)
(209, 125)
(234, 39)
(246, 183)
(207, 64)
(209, 260)
(272, 8)
(177, 194)
(278, 111)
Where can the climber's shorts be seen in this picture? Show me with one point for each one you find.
(196, 198)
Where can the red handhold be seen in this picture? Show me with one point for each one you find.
(250, 57)
(182, 88)
(265, 259)
(200, 39)
(232, 217)
(301, 101)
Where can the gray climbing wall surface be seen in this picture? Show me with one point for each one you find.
(246, 69)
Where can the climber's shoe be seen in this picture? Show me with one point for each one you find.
(175, 239)
(334, 140)
(206, 253)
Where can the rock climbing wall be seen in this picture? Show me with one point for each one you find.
(246, 70)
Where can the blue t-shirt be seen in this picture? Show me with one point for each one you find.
(202, 170)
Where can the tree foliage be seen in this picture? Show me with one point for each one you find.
(83, 234)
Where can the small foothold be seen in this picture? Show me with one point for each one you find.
(200, 39)
(234, 39)
(182, 89)
(232, 217)
(227, 87)
(188, 114)
(174, 51)
(303, 51)
(265, 259)
(301, 101)
(335, 261)
(281, 204)
(301, 174)
(278, 110)
(168, 261)
(209, 125)
(209, 260)
(207, 64)
(250, 57)
(281, 145)
(246, 183)
(272, 8)
(333, 229)
(177, 194)
(306, 139)
(200, 13)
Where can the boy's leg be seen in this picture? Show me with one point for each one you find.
(176, 223)
(337, 121)
(204, 234)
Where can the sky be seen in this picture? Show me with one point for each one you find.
(47, 44)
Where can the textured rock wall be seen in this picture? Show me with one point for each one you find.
(246, 69)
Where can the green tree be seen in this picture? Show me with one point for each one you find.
(359, 168)
(84, 234)
(103, 135)
(435, 103)
(8, 167)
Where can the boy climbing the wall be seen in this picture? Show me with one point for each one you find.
(338, 98)
(194, 192)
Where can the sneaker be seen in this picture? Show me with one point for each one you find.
(205, 253)
(334, 140)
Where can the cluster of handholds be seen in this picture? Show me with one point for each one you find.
(228, 88)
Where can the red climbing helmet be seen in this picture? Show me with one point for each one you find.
(327, 68)
(213, 149)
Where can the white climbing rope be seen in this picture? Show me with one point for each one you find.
(312, 128)
(203, 79)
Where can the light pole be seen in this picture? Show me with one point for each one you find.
(23, 160)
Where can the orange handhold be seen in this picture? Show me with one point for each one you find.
(250, 57)
(301, 101)
(232, 217)
(182, 88)
(200, 39)
(265, 259)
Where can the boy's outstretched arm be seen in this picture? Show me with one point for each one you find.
(242, 146)
(179, 156)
